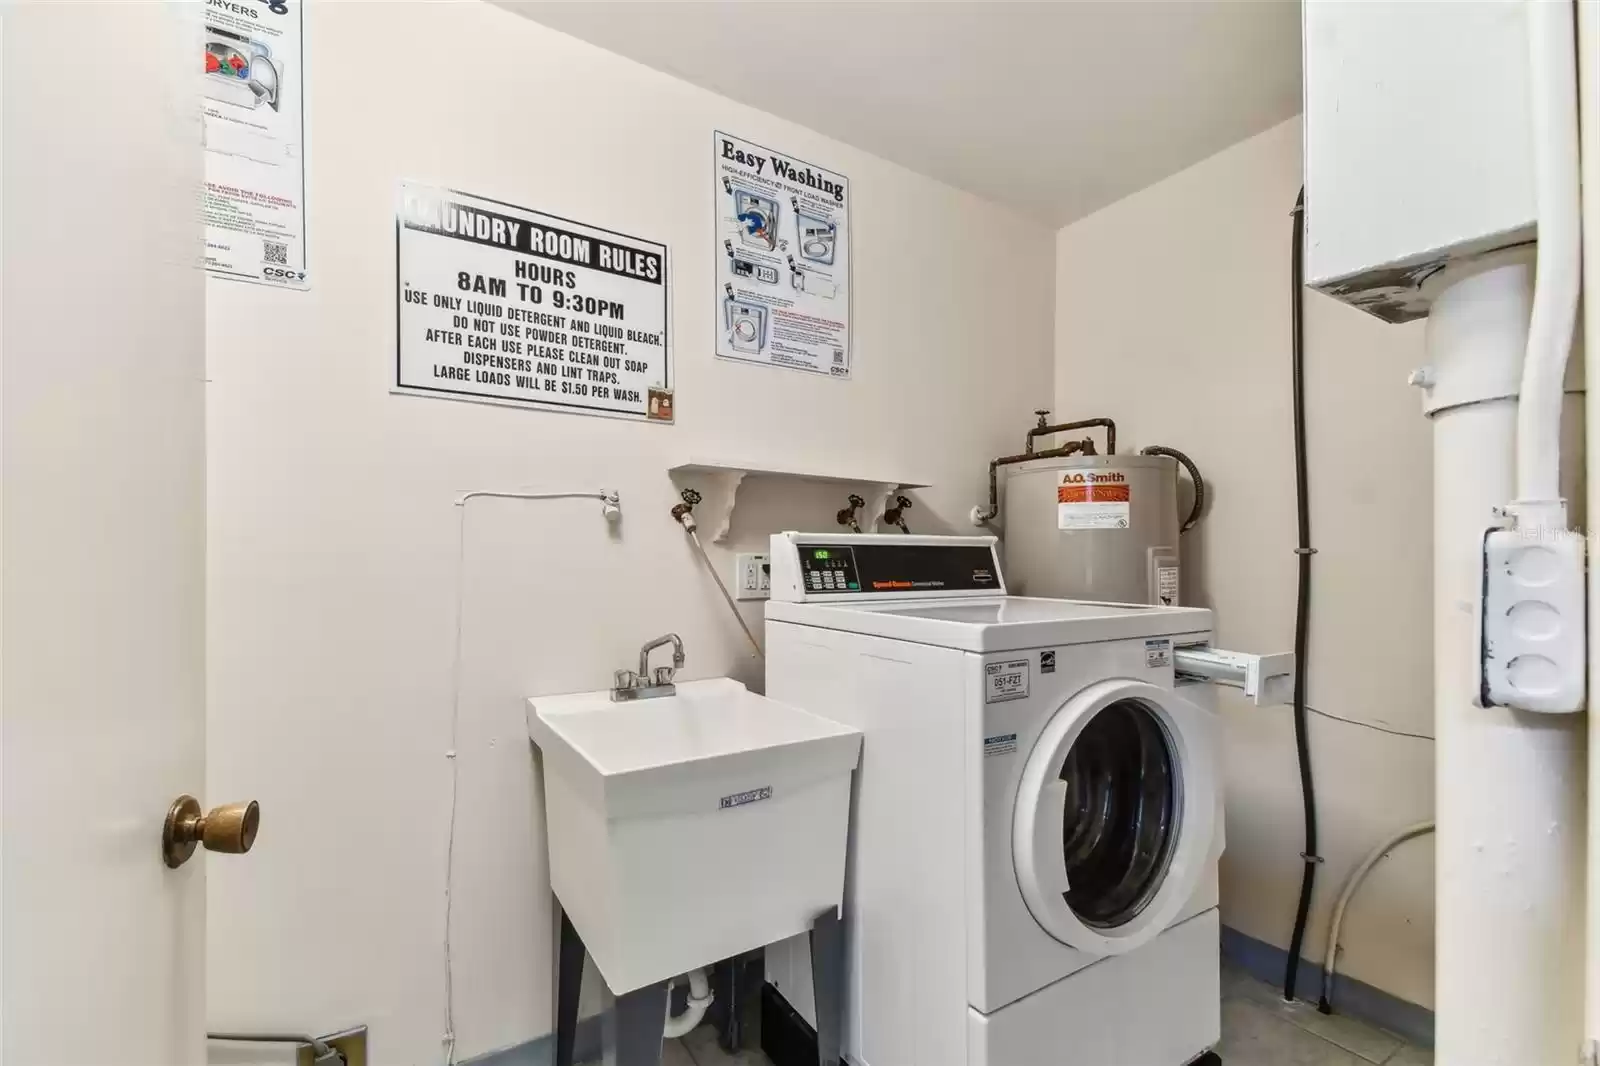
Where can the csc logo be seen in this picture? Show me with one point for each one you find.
(278, 7)
(280, 274)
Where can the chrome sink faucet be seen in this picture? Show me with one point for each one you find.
(644, 685)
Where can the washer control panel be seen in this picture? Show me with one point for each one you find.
(875, 566)
(830, 568)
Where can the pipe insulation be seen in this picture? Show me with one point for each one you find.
(1552, 61)
(1508, 784)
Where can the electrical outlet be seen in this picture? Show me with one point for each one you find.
(752, 576)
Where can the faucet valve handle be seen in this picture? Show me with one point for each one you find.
(626, 679)
(664, 675)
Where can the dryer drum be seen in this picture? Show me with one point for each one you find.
(1120, 827)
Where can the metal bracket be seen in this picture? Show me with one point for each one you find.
(1266, 679)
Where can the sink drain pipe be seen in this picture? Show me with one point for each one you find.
(700, 997)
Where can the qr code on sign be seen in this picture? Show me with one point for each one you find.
(273, 252)
(838, 356)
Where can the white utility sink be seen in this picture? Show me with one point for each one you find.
(688, 828)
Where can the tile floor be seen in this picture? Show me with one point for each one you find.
(1258, 1029)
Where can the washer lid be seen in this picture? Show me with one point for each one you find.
(1116, 816)
(945, 591)
(998, 623)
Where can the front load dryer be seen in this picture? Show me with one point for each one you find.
(1032, 874)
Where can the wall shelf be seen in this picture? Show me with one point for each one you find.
(718, 481)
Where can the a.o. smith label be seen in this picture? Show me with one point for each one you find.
(1093, 499)
(739, 799)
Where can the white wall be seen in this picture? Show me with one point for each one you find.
(332, 531)
(1172, 316)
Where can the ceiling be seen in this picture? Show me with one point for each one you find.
(1057, 108)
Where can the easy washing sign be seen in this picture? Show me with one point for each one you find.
(783, 259)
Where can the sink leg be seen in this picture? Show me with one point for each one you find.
(569, 983)
(827, 983)
(637, 1024)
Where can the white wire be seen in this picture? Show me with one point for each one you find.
(610, 500)
(1375, 856)
(725, 595)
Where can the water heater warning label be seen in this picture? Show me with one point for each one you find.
(1167, 585)
(1093, 499)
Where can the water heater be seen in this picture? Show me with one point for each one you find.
(1081, 525)
(1093, 527)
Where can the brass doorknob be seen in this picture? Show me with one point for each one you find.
(230, 828)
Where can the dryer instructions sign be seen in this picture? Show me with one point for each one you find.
(501, 304)
(783, 259)
(254, 101)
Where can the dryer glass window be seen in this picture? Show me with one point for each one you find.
(1122, 810)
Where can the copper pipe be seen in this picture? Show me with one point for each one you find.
(1084, 446)
(1044, 429)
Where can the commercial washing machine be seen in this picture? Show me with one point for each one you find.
(1032, 873)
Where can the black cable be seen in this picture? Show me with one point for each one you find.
(1374, 726)
(1194, 476)
(1302, 609)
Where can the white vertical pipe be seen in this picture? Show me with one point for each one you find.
(1552, 62)
(1589, 116)
(1509, 784)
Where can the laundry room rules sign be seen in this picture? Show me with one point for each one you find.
(501, 304)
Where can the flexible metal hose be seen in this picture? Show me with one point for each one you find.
(725, 594)
(1194, 476)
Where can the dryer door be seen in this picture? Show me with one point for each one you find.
(1115, 815)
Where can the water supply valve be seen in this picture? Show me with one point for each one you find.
(847, 515)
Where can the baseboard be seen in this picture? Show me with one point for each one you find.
(587, 1047)
(1266, 962)
(786, 1038)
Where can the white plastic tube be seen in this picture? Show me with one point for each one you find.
(611, 508)
(1554, 92)
(1589, 83)
(1376, 855)
(681, 1025)
(1509, 784)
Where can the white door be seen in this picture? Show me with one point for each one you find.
(102, 532)
(1116, 815)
